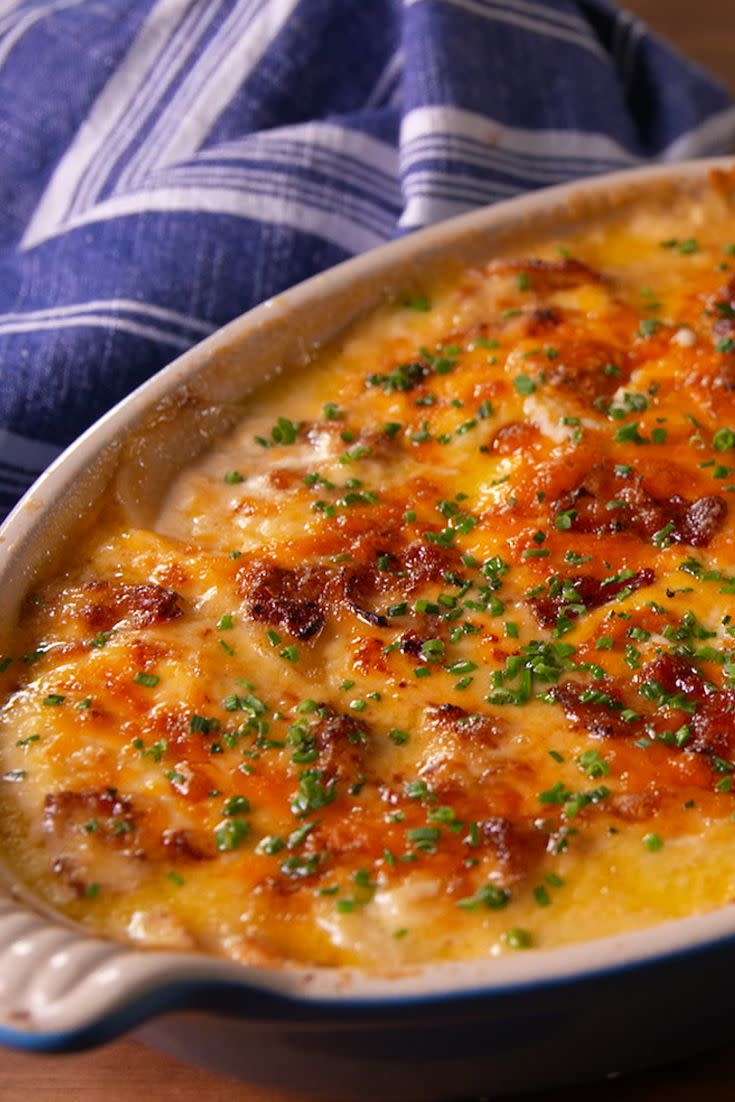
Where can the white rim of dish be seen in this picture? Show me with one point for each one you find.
(55, 976)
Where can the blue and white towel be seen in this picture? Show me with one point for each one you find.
(167, 164)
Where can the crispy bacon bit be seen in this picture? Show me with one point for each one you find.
(104, 813)
(445, 715)
(422, 563)
(713, 725)
(292, 599)
(543, 321)
(341, 743)
(473, 726)
(547, 276)
(594, 710)
(101, 605)
(185, 845)
(410, 643)
(634, 807)
(675, 675)
(636, 511)
(586, 590)
(77, 819)
(701, 520)
(514, 845)
(588, 369)
(359, 588)
(515, 436)
(586, 503)
(413, 567)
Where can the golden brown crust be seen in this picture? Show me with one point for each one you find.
(439, 638)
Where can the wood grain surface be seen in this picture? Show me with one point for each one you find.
(128, 1072)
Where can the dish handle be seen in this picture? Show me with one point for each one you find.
(63, 990)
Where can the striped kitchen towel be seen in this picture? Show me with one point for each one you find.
(167, 164)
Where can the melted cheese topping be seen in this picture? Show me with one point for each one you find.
(432, 657)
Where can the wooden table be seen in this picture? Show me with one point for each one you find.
(127, 1072)
(704, 30)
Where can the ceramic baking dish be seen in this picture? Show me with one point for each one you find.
(442, 1031)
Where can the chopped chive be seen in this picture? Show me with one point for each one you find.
(397, 736)
(524, 385)
(421, 303)
(236, 805)
(723, 440)
(648, 327)
(629, 434)
(230, 834)
(149, 680)
(518, 938)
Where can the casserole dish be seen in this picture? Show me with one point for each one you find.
(433, 1031)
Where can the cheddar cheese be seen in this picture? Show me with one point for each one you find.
(433, 657)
